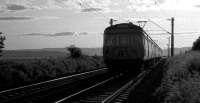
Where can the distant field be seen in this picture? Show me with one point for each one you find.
(20, 54)
(177, 51)
(52, 52)
(46, 53)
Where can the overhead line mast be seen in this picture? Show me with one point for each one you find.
(172, 36)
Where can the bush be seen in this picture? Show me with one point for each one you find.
(75, 52)
(2, 38)
(196, 44)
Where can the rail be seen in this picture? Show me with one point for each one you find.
(8, 95)
(130, 85)
(105, 92)
(85, 90)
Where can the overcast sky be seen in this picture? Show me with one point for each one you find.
(33, 24)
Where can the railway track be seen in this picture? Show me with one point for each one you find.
(17, 95)
(112, 90)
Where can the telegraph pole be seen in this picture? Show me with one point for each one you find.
(172, 36)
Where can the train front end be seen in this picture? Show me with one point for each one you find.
(123, 48)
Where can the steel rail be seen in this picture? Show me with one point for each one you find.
(11, 94)
(110, 96)
(115, 94)
(96, 85)
(130, 84)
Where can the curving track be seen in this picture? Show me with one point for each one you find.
(114, 89)
(96, 86)
(33, 91)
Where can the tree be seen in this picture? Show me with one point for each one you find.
(196, 44)
(75, 52)
(2, 38)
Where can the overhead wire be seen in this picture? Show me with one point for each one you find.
(177, 34)
(159, 26)
(86, 5)
(154, 23)
(150, 20)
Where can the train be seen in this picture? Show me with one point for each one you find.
(127, 46)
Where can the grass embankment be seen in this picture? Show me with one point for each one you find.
(181, 80)
(17, 73)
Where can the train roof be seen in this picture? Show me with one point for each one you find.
(124, 26)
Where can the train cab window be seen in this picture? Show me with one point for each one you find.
(123, 40)
(118, 40)
(111, 40)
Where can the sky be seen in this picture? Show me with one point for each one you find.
(35, 24)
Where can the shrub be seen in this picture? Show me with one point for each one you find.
(2, 38)
(75, 52)
(196, 44)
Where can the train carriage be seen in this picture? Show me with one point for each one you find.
(126, 46)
